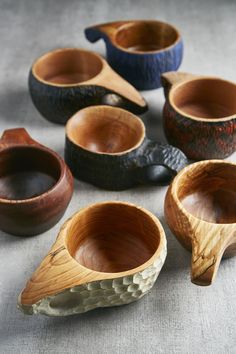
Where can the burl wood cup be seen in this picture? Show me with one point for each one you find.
(200, 208)
(140, 50)
(199, 115)
(35, 185)
(108, 147)
(66, 80)
(107, 254)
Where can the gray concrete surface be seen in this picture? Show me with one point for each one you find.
(177, 316)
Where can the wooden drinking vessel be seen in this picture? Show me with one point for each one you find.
(66, 80)
(200, 208)
(200, 115)
(140, 51)
(107, 254)
(107, 147)
(35, 185)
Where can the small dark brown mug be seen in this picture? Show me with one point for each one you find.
(35, 185)
(107, 147)
(200, 115)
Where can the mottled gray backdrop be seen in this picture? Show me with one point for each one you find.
(177, 316)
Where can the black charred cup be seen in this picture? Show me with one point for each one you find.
(64, 81)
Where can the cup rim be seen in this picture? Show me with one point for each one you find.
(132, 23)
(47, 192)
(107, 108)
(110, 275)
(189, 116)
(67, 49)
(175, 187)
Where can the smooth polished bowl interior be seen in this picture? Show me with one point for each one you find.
(146, 36)
(27, 172)
(105, 130)
(112, 237)
(205, 98)
(67, 66)
(208, 191)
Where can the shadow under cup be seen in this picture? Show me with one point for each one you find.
(113, 237)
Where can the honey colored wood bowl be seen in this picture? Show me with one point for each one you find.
(64, 81)
(200, 208)
(107, 254)
(140, 51)
(200, 115)
(35, 185)
(108, 147)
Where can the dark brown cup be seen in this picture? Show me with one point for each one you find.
(199, 115)
(35, 185)
(108, 147)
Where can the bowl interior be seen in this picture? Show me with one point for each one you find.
(146, 36)
(206, 98)
(112, 237)
(27, 172)
(105, 130)
(67, 66)
(209, 192)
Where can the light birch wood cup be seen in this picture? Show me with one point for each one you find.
(107, 254)
(200, 209)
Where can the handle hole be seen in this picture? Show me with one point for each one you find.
(156, 174)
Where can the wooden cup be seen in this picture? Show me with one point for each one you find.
(66, 80)
(140, 51)
(107, 254)
(200, 115)
(107, 147)
(200, 208)
(35, 185)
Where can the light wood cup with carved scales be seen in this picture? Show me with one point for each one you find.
(107, 254)
(200, 208)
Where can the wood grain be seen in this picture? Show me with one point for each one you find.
(109, 240)
(200, 209)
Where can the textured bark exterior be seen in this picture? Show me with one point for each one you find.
(144, 70)
(119, 172)
(58, 104)
(199, 140)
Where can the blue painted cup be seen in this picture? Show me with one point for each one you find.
(140, 51)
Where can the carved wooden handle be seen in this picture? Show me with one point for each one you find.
(104, 30)
(121, 92)
(208, 245)
(17, 136)
(172, 78)
(159, 163)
